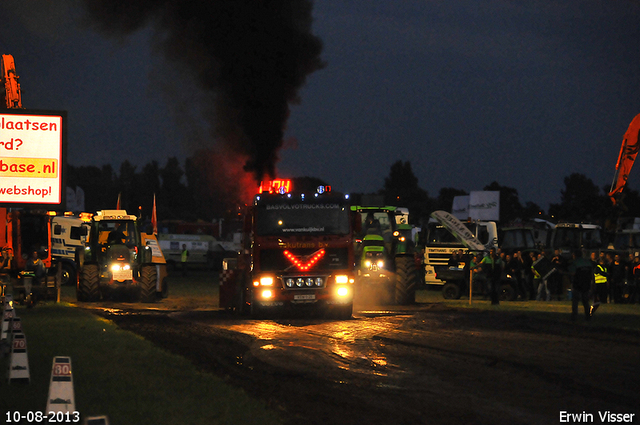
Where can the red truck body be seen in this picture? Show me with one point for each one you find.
(297, 251)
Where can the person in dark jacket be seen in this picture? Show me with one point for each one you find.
(492, 266)
(581, 271)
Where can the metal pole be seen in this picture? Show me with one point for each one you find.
(470, 283)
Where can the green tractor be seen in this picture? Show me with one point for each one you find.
(115, 260)
(385, 252)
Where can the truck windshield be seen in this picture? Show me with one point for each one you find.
(576, 238)
(517, 239)
(626, 240)
(437, 234)
(285, 218)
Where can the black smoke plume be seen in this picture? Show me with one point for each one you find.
(249, 56)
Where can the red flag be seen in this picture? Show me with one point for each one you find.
(118, 204)
(154, 217)
(628, 153)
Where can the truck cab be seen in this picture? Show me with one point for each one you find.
(440, 244)
(69, 234)
(297, 252)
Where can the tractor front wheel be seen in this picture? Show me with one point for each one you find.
(148, 280)
(89, 283)
(406, 280)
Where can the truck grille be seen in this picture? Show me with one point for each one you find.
(274, 260)
(304, 282)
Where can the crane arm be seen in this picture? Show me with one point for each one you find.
(12, 93)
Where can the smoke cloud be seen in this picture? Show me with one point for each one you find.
(249, 57)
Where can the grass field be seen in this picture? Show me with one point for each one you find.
(119, 374)
(617, 316)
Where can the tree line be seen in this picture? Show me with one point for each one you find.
(581, 200)
(189, 194)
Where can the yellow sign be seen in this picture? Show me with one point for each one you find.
(29, 167)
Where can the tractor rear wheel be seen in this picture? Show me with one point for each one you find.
(406, 280)
(148, 280)
(89, 283)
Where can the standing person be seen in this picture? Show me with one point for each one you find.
(555, 280)
(617, 271)
(513, 270)
(581, 271)
(634, 288)
(35, 265)
(184, 257)
(492, 266)
(525, 273)
(601, 278)
(538, 282)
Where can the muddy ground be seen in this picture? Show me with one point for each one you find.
(426, 364)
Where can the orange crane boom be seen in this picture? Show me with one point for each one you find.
(12, 93)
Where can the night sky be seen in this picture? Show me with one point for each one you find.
(519, 92)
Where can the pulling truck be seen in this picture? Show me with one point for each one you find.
(297, 253)
(385, 252)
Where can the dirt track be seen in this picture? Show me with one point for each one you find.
(424, 365)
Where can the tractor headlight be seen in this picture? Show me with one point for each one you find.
(118, 267)
(380, 264)
(367, 263)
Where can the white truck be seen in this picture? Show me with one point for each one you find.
(440, 243)
(69, 233)
(204, 250)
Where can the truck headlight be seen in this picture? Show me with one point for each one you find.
(264, 281)
(342, 279)
(343, 291)
(266, 294)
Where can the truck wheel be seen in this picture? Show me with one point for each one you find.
(451, 291)
(507, 293)
(148, 279)
(89, 283)
(68, 275)
(406, 280)
(256, 311)
(343, 312)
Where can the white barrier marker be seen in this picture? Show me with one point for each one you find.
(61, 398)
(7, 315)
(16, 325)
(97, 420)
(19, 364)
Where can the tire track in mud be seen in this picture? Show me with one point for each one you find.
(419, 367)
